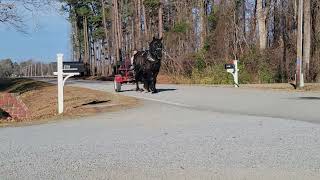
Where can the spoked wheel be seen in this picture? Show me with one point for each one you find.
(117, 86)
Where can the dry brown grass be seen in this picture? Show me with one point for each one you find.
(78, 102)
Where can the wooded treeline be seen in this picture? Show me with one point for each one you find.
(200, 36)
(29, 68)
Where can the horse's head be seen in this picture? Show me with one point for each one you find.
(156, 48)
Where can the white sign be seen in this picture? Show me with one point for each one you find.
(61, 81)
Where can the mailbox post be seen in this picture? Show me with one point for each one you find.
(233, 69)
(236, 73)
(61, 81)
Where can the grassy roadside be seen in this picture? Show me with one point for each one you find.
(20, 85)
(309, 87)
(41, 100)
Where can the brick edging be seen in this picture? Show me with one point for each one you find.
(12, 104)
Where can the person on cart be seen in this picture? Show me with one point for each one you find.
(132, 59)
(127, 67)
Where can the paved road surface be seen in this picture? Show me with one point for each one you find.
(184, 132)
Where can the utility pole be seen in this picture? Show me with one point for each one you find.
(299, 71)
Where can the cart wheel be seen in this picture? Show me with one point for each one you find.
(117, 86)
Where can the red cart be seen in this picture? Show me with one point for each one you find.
(124, 75)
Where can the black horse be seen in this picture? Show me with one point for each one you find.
(147, 65)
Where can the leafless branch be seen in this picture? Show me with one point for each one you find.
(10, 14)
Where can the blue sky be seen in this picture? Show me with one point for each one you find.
(49, 34)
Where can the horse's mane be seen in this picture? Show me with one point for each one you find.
(156, 52)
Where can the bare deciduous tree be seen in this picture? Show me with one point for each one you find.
(10, 14)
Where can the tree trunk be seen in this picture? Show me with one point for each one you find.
(132, 40)
(93, 59)
(202, 23)
(243, 18)
(146, 34)
(116, 30)
(138, 25)
(106, 42)
(119, 28)
(253, 23)
(262, 17)
(307, 38)
(104, 19)
(299, 44)
(76, 42)
(86, 44)
(160, 17)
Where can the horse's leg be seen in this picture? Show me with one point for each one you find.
(154, 89)
(146, 85)
(150, 83)
(137, 82)
(146, 81)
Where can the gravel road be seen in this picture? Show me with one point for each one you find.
(184, 132)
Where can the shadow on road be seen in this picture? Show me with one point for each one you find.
(164, 90)
(159, 90)
(309, 98)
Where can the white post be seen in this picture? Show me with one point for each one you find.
(60, 82)
(236, 73)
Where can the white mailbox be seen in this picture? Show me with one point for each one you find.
(233, 69)
(62, 78)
